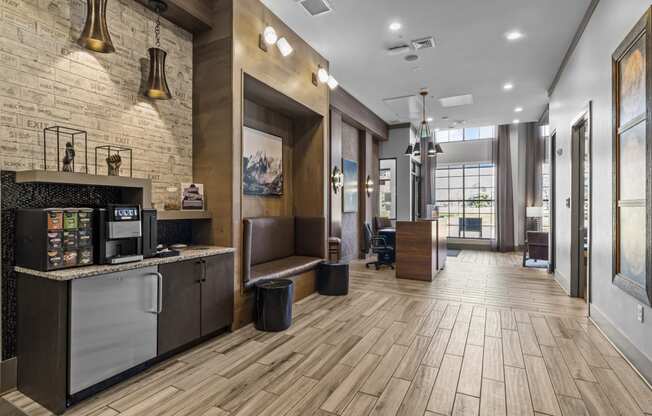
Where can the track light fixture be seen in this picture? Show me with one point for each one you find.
(270, 37)
(323, 77)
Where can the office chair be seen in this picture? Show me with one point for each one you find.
(378, 246)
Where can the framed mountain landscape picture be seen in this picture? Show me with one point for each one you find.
(262, 163)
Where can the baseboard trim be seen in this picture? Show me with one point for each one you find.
(562, 281)
(639, 361)
(8, 375)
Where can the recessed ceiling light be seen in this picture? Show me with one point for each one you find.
(518, 109)
(429, 119)
(516, 121)
(394, 26)
(513, 35)
(508, 86)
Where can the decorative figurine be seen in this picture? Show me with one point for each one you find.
(113, 164)
(69, 158)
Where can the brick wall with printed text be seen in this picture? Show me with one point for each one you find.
(46, 79)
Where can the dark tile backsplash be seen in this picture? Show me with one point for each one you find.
(34, 195)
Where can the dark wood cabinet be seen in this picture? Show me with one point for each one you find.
(197, 300)
(217, 293)
(179, 320)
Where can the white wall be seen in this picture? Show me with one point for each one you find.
(588, 78)
(479, 151)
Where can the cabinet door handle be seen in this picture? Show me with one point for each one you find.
(160, 292)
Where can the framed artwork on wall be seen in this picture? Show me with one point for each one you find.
(632, 161)
(350, 195)
(262, 163)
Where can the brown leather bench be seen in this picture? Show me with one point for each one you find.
(281, 247)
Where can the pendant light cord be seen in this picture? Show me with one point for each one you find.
(157, 28)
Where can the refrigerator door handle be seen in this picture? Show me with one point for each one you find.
(159, 292)
(155, 289)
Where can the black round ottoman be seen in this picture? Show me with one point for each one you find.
(274, 304)
(333, 279)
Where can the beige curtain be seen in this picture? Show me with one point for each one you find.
(504, 191)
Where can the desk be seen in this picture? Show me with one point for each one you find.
(420, 248)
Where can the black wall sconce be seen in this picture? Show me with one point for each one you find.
(95, 35)
(369, 186)
(337, 179)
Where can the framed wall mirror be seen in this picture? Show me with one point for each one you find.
(632, 160)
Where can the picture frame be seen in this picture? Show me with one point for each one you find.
(262, 163)
(632, 161)
(192, 196)
(350, 189)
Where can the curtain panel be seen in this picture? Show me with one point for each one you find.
(504, 191)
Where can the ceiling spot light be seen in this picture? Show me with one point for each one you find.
(516, 121)
(322, 75)
(518, 109)
(429, 119)
(332, 82)
(513, 35)
(395, 26)
(269, 35)
(508, 86)
(284, 46)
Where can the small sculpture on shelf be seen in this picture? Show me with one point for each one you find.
(69, 158)
(113, 163)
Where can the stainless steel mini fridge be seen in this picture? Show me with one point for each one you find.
(113, 320)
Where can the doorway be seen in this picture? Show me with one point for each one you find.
(580, 202)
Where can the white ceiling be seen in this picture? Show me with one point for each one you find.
(472, 55)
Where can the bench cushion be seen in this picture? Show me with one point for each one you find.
(281, 268)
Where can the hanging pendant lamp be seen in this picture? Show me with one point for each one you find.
(408, 151)
(416, 150)
(431, 150)
(157, 86)
(424, 130)
(95, 35)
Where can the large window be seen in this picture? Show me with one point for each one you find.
(466, 196)
(387, 188)
(466, 134)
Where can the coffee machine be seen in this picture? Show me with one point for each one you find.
(119, 233)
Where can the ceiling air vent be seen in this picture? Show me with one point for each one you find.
(423, 43)
(398, 49)
(316, 7)
(456, 101)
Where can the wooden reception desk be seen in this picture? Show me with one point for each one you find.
(420, 248)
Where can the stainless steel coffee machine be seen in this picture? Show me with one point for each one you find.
(119, 232)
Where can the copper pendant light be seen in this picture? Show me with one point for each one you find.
(95, 35)
(157, 86)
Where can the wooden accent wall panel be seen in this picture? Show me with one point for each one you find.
(272, 122)
(359, 113)
(335, 202)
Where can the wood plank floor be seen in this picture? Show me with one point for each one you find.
(487, 337)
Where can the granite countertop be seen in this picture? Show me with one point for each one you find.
(192, 252)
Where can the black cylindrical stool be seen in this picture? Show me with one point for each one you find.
(274, 304)
(333, 279)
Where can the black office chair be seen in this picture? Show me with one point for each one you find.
(378, 246)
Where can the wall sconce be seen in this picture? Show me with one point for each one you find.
(323, 77)
(157, 86)
(369, 186)
(270, 37)
(95, 35)
(337, 179)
